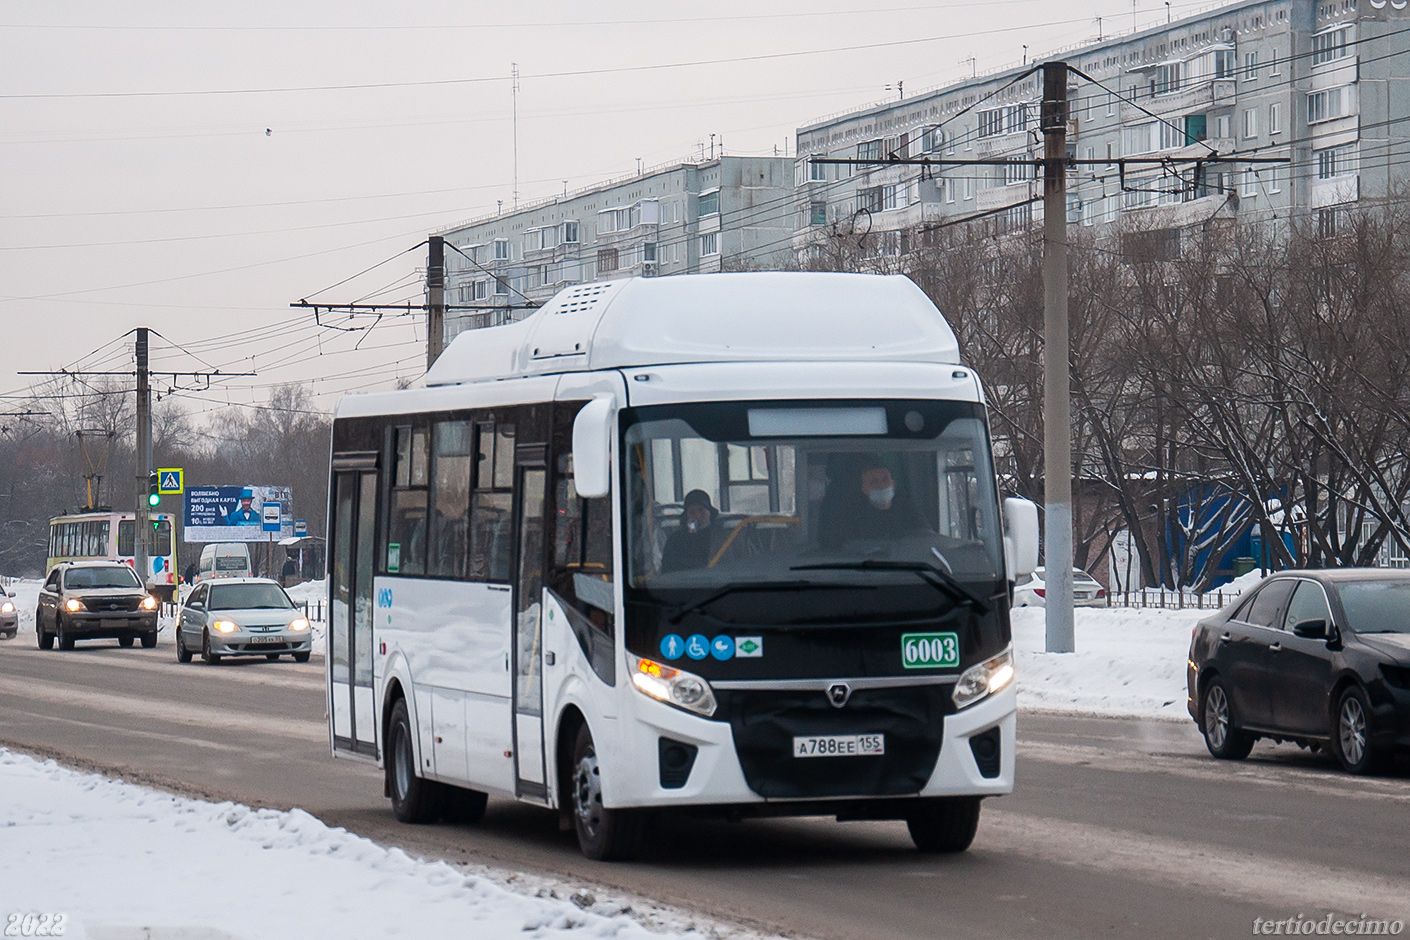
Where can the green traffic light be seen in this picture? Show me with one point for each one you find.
(154, 500)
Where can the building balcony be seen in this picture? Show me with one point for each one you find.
(1218, 91)
(1335, 191)
(1001, 197)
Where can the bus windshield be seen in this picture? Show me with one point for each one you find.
(727, 492)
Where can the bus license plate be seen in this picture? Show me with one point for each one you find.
(839, 745)
(267, 639)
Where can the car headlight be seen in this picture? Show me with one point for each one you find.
(981, 681)
(225, 626)
(149, 603)
(673, 686)
(298, 623)
(7, 608)
(73, 604)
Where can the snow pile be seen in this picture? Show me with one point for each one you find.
(1128, 662)
(112, 855)
(1242, 583)
(309, 591)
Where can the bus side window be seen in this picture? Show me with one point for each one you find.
(491, 512)
(406, 535)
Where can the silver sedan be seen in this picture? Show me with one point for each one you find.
(241, 617)
(9, 617)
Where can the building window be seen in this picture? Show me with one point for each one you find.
(710, 244)
(482, 290)
(991, 122)
(869, 150)
(869, 199)
(1249, 187)
(969, 187)
(606, 260)
(1224, 63)
(1275, 119)
(1328, 105)
(1250, 123)
(1137, 139)
(818, 213)
(1329, 46)
(501, 286)
(932, 140)
(501, 249)
(1110, 103)
(817, 173)
(1221, 127)
(1336, 161)
(1275, 179)
(1273, 64)
(1166, 78)
(1250, 66)
(648, 252)
(1327, 222)
(570, 233)
(709, 203)
(1016, 171)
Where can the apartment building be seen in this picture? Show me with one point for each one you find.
(728, 212)
(1324, 84)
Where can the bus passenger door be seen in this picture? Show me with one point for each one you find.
(350, 613)
(528, 632)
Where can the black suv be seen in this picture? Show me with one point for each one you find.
(92, 600)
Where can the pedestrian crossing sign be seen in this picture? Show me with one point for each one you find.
(171, 481)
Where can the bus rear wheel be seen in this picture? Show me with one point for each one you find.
(605, 835)
(945, 824)
(414, 799)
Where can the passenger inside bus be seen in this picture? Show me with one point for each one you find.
(696, 539)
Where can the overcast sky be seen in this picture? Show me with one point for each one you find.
(186, 166)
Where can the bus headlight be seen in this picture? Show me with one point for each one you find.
(73, 605)
(225, 626)
(673, 686)
(149, 603)
(298, 623)
(981, 681)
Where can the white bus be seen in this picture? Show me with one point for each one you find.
(107, 534)
(728, 543)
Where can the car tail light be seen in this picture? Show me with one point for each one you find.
(1101, 592)
(1041, 592)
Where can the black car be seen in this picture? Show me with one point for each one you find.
(91, 600)
(1321, 658)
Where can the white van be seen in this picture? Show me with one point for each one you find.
(224, 560)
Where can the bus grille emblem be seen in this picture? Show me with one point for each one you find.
(838, 693)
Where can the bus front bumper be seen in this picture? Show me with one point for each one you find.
(975, 758)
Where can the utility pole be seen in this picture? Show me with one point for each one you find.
(143, 459)
(1057, 400)
(435, 299)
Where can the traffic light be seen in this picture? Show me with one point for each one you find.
(154, 498)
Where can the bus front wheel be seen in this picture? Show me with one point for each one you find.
(414, 799)
(945, 824)
(603, 834)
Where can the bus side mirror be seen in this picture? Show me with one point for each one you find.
(592, 448)
(1020, 536)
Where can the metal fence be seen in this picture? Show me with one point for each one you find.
(1171, 600)
(313, 609)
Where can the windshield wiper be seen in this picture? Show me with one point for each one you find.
(734, 587)
(930, 573)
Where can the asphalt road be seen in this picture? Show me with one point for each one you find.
(1118, 828)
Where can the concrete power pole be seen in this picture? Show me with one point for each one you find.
(1057, 400)
(435, 299)
(143, 459)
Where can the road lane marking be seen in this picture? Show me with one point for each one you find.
(183, 713)
(1279, 884)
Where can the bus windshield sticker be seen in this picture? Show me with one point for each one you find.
(722, 648)
(672, 646)
(930, 650)
(393, 557)
(697, 647)
(749, 647)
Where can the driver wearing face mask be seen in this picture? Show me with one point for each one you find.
(690, 545)
(874, 513)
